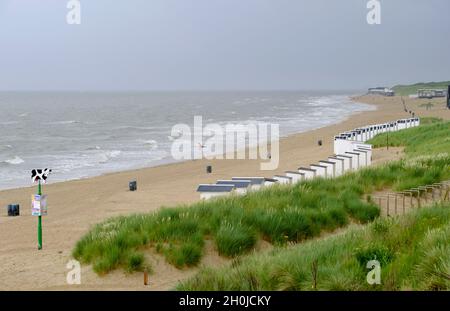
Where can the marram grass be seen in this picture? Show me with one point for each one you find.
(413, 251)
(279, 214)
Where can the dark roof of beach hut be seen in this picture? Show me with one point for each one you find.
(215, 188)
(236, 183)
(253, 180)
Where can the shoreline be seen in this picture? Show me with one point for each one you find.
(76, 205)
(169, 160)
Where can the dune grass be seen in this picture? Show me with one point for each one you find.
(413, 251)
(432, 137)
(279, 214)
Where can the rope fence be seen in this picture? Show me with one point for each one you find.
(398, 203)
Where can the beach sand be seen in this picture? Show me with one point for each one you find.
(74, 206)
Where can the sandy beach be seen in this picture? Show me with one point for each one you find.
(74, 206)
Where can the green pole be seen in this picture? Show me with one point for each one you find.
(39, 221)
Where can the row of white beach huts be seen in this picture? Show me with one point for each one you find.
(350, 153)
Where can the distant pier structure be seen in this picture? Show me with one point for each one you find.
(384, 91)
(431, 93)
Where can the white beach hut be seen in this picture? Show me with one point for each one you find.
(283, 179)
(401, 124)
(373, 130)
(368, 149)
(366, 133)
(321, 171)
(338, 166)
(208, 191)
(342, 144)
(393, 126)
(355, 159)
(296, 176)
(330, 168)
(309, 173)
(269, 182)
(364, 157)
(347, 161)
(241, 186)
(357, 134)
(362, 134)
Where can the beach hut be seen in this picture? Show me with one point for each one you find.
(321, 171)
(362, 134)
(208, 191)
(357, 145)
(378, 130)
(393, 126)
(408, 123)
(241, 186)
(309, 173)
(347, 161)
(330, 167)
(368, 149)
(255, 182)
(401, 124)
(296, 176)
(338, 166)
(357, 135)
(282, 179)
(368, 155)
(367, 133)
(342, 143)
(270, 182)
(364, 157)
(373, 130)
(355, 159)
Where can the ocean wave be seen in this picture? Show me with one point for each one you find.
(94, 148)
(132, 127)
(152, 143)
(14, 161)
(65, 122)
(106, 156)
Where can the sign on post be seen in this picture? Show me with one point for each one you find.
(39, 201)
(38, 205)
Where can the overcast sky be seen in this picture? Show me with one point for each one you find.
(221, 44)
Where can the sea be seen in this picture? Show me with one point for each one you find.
(84, 134)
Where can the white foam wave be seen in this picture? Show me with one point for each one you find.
(14, 161)
(65, 122)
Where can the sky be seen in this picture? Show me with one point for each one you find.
(150, 45)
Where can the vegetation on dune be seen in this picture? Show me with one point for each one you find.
(279, 214)
(413, 251)
(432, 137)
(405, 90)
